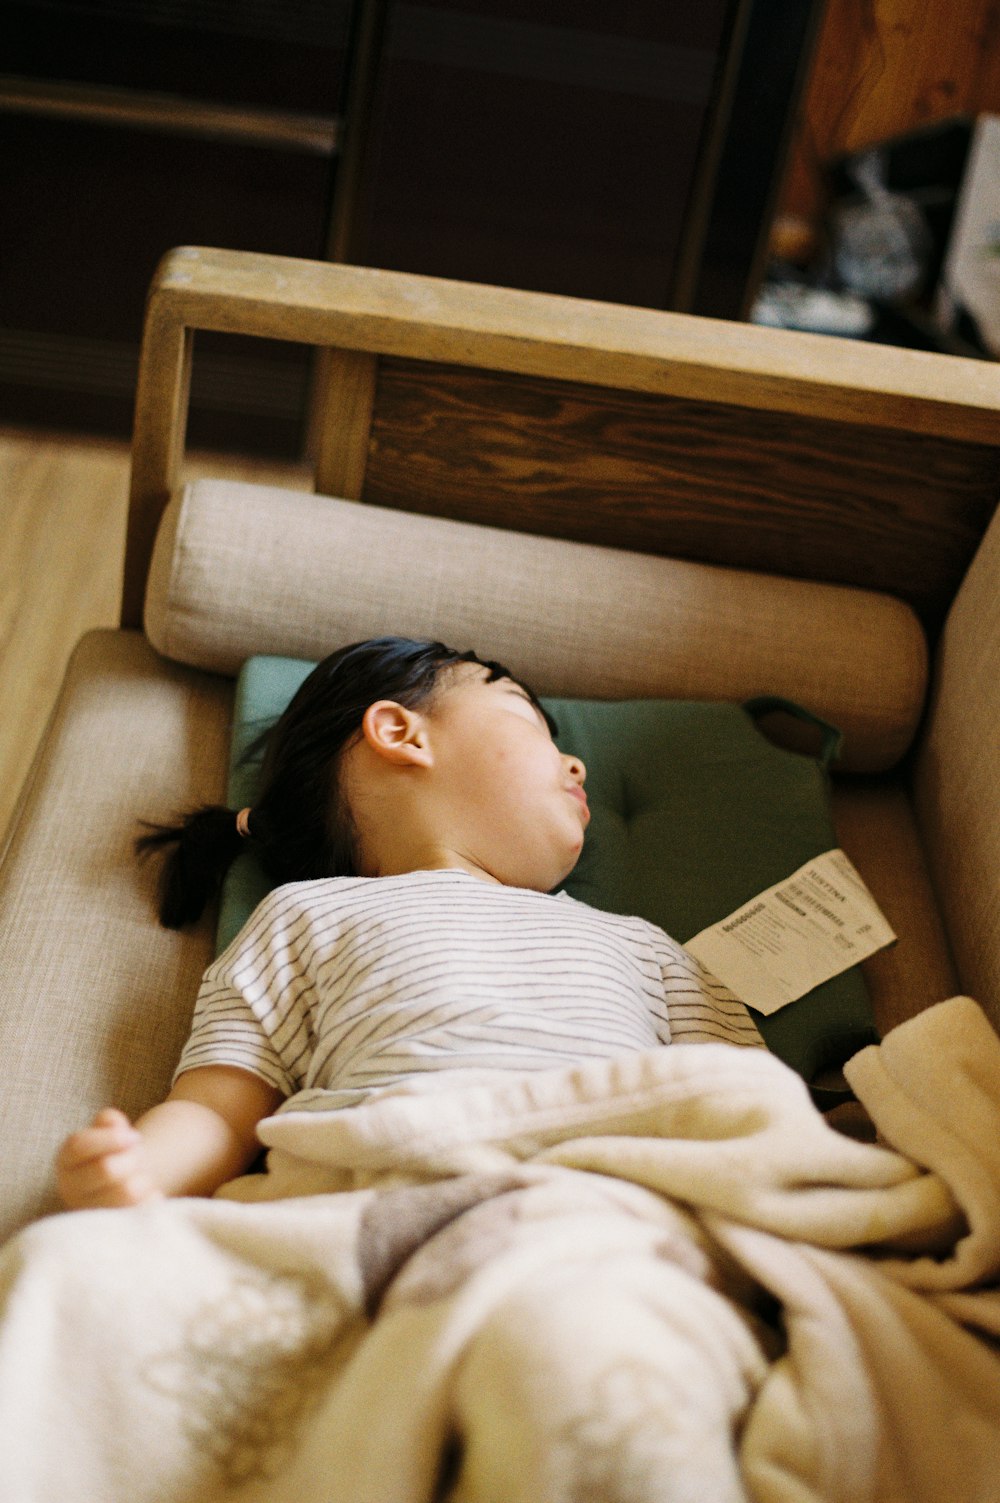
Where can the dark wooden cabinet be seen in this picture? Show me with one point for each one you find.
(128, 127)
(624, 152)
(627, 152)
(551, 147)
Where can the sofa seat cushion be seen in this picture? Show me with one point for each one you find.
(875, 824)
(958, 776)
(98, 997)
(574, 620)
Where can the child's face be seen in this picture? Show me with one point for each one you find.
(515, 802)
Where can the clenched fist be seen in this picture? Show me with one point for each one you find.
(105, 1164)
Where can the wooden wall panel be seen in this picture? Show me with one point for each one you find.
(796, 496)
(882, 67)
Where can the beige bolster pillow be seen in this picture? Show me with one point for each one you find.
(242, 569)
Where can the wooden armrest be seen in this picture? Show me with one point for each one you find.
(605, 344)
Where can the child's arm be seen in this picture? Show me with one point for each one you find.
(204, 1133)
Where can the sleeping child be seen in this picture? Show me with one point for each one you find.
(417, 818)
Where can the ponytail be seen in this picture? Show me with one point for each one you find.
(200, 848)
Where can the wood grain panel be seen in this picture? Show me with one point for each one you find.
(792, 495)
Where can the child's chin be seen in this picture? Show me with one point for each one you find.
(570, 865)
(548, 874)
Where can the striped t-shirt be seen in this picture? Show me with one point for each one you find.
(346, 985)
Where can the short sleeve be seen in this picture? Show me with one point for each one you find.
(700, 1009)
(252, 1010)
(225, 1031)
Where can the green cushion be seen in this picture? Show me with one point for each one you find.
(693, 810)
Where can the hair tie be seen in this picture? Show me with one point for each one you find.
(243, 823)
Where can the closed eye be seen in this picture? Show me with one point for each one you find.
(497, 675)
(521, 693)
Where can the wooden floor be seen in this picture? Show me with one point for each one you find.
(62, 515)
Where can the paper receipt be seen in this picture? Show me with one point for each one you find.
(816, 923)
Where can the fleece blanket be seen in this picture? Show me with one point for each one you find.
(659, 1277)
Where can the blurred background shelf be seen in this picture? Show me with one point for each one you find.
(630, 153)
(650, 153)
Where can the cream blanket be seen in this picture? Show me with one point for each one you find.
(660, 1277)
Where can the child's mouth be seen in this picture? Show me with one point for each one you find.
(581, 799)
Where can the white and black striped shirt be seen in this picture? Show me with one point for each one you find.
(347, 985)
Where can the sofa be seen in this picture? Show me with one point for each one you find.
(619, 503)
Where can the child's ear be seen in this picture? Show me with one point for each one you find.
(397, 734)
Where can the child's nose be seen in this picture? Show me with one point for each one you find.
(576, 769)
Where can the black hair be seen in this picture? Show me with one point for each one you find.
(299, 826)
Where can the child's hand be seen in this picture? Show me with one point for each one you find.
(105, 1165)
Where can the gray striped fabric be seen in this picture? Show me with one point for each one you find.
(347, 985)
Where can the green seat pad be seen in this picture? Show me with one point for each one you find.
(693, 812)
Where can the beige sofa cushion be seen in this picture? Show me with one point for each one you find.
(97, 997)
(231, 577)
(875, 823)
(958, 776)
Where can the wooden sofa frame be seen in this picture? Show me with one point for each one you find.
(731, 444)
